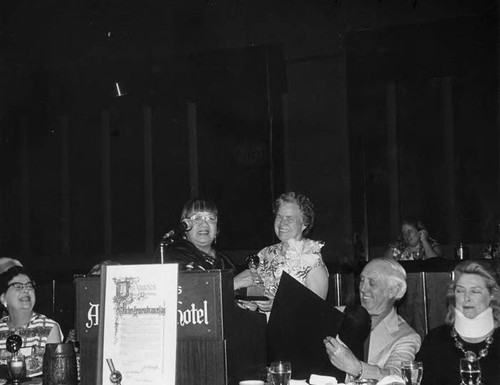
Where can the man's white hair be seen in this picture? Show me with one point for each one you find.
(395, 274)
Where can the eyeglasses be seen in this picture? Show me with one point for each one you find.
(286, 218)
(199, 218)
(18, 286)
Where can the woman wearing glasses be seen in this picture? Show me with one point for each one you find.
(36, 330)
(294, 254)
(195, 250)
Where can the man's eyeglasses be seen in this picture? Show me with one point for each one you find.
(18, 286)
(199, 218)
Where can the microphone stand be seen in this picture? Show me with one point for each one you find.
(184, 225)
(165, 240)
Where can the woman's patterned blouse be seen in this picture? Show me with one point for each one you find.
(34, 337)
(400, 251)
(296, 258)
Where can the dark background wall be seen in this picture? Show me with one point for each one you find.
(289, 95)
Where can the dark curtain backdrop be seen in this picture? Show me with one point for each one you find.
(418, 60)
(237, 93)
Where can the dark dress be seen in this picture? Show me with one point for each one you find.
(440, 358)
(189, 257)
(246, 346)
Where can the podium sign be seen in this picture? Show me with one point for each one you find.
(138, 335)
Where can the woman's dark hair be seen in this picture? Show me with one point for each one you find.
(198, 204)
(400, 243)
(7, 276)
(305, 206)
(490, 277)
(415, 222)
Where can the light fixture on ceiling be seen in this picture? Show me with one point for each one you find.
(119, 89)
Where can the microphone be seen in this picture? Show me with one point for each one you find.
(182, 227)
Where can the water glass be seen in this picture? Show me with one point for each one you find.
(280, 372)
(470, 371)
(412, 372)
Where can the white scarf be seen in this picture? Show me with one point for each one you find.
(476, 327)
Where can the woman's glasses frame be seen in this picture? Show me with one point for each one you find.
(19, 286)
(199, 218)
(286, 218)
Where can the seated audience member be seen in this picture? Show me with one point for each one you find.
(36, 330)
(471, 328)
(5, 264)
(195, 250)
(414, 243)
(295, 254)
(392, 340)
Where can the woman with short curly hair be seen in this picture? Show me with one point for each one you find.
(17, 295)
(295, 254)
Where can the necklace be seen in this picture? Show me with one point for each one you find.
(471, 356)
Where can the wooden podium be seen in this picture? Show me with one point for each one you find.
(217, 343)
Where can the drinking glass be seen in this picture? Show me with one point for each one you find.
(280, 372)
(470, 371)
(17, 368)
(412, 372)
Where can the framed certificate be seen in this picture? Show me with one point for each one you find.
(139, 332)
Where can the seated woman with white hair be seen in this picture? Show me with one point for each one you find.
(392, 340)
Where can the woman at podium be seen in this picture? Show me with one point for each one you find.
(195, 248)
(36, 330)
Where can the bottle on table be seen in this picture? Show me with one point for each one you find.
(461, 252)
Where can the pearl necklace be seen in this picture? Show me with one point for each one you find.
(471, 356)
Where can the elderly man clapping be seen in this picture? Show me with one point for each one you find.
(392, 340)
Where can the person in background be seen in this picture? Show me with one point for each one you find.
(414, 243)
(471, 328)
(392, 340)
(96, 270)
(295, 254)
(195, 249)
(17, 290)
(6, 263)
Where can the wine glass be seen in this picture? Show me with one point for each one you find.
(412, 372)
(280, 372)
(17, 368)
(470, 371)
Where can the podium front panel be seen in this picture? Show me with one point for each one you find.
(201, 345)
